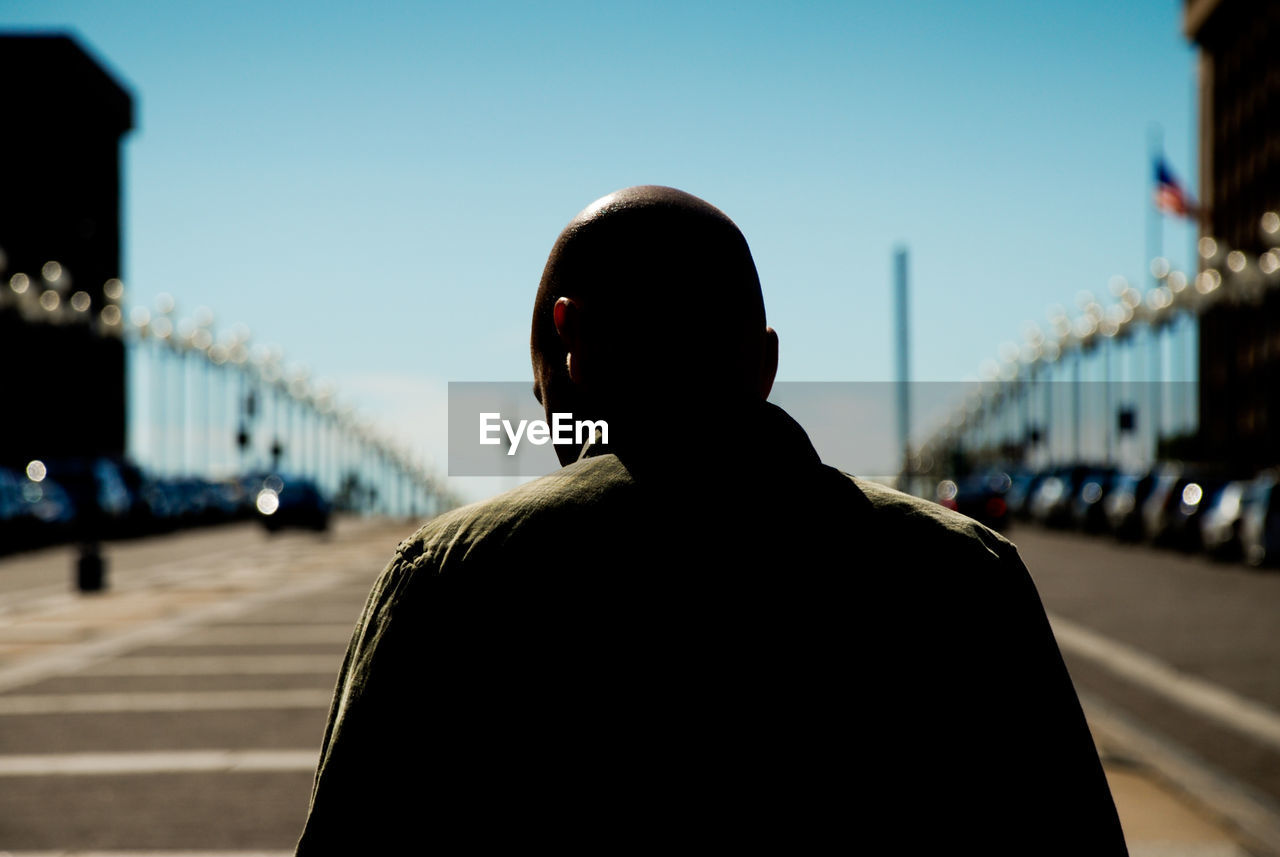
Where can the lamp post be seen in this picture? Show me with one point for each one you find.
(201, 343)
(164, 332)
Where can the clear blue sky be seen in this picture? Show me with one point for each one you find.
(374, 186)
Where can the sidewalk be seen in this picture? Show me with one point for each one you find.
(1159, 823)
(1172, 804)
(1162, 806)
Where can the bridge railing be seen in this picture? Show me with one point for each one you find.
(211, 404)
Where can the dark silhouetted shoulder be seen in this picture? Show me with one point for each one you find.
(928, 520)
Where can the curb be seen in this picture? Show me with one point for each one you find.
(1252, 817)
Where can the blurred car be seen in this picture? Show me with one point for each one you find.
(1167, 478)
(1260, 521)
(1022, 487)
(1051, 503)
(1123, 503)
(15, 517)
(291, 502)
(980, 496)
(1176, 521)
(50, 512)
(1220, 521)
(95, 489)
(163, 504)
(1087, 510)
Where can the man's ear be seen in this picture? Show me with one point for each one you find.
(567, 314)
(768, 362)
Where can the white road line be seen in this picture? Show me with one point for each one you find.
(157, 762)
(265, 635)
(219, 665)
(1205, 698)
(146, 854)
(80, 656)
(1251, 815)
(205, 700)
(346, 614)
(1174, 848)
(141, 574)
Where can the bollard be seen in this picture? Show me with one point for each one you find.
(91, 569)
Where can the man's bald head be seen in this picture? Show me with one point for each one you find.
(663, 300)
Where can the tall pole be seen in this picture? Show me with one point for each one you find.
(1108, 405)
(1076, 449)
(903, 355)
(1049, 433)
(180, 453)
(1155, 242)
(158, 439)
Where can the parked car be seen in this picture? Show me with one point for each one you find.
(1220, 521)
(15, 518)
(1167, 478)
(1123, 503)
(1087, 510)
(1260, 521)
(1051, 503)
(50, 513)
(1022, 485)
(291, 502)
(1176, 523)
(980, 496)
(97, 492)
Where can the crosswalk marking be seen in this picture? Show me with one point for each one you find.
(146, 854)
(265, 635)
(176, 665)
(77, 657)
(157, 762)
(210, 700)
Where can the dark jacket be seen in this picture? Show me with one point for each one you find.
(741, 646)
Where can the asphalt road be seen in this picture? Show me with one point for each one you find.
(1187, 646)
(182, 709)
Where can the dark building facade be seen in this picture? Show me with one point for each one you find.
(62, 393)
(1239, 81)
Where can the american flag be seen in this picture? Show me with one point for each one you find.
(1169, 195)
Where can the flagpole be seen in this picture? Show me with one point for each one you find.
(1191, 321)
(1155, 229)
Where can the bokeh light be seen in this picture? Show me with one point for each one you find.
(268, 501)
(1208, 280)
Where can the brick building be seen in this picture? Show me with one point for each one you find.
(1239, 83)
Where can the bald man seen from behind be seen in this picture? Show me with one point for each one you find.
(698, 635)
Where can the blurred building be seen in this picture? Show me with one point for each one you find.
(1239, 81)
(63, 380)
